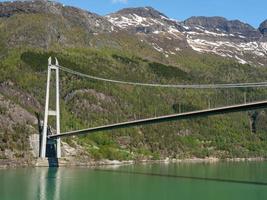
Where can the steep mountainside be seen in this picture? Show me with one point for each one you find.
(46, 23)
(135, 44)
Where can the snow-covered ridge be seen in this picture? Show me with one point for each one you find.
(234, 44)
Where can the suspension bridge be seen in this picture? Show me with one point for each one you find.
(55, 139)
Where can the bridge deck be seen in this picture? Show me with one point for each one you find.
(173, 117)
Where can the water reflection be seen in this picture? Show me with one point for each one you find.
(49, 184)
(244, 181)
(183, 177)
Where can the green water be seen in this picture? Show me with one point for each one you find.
(244, 181)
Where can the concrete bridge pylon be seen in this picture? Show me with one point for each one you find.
(45, 142)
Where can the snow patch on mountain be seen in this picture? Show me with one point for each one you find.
(124, 22)
(127, 21)
(227, 48)
(157, 47)
(264, 46)
(212, 37)
(240, 60)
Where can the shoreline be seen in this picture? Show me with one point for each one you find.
(65, 162)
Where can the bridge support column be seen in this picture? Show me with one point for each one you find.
(48, 112)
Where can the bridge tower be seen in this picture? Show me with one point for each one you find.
(48, 112)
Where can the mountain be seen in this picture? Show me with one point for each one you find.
(55, 23)
(146, 20)
(69, 26)
(151, 27)
(133, 44)
(263, 28)
(73, 16)
(234, 27)
(216, 35)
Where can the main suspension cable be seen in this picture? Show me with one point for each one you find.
(180, 86)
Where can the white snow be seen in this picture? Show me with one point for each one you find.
(131, 20)
(200, 28)
(205, 32)
(226, 48)
(229, 55)
(156, 22)
(192, 33)
(215, 34)
(200, 40)
(250, 46)
(258, 53)
(139, 19)
(163, 17)
(241, 36)
(157, 47)
(264, 46)
(209, 33)
(174, 32)
(240, 60)
(174, 20)
(186, 27)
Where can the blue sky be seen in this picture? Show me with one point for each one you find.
(249, 11)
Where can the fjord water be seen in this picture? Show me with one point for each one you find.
(225, 180)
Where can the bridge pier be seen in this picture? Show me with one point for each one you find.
(45, 143)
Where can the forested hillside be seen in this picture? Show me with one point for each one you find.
(47, 29)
